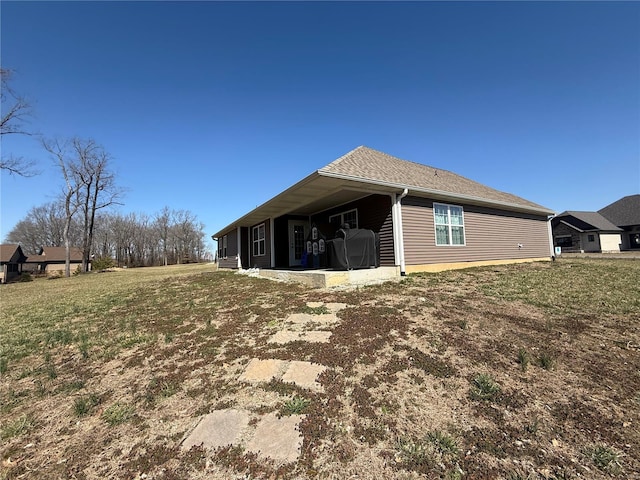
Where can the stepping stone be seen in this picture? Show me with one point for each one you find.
(315, 304)
(303, 318)
(335, 307)
(304, 374)
(277, 438)
(314, 336)
(218, 429)
(263, 370)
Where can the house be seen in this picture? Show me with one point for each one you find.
(614, 228)
(11, 260)
(51, 260)
(625, 213)
(425, 218)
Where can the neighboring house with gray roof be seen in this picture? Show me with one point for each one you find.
(425, 218)
(614, 228)
(625, 213)
(11, 260)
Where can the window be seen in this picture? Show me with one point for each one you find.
(258, 240)
(222, 247)
(591, 238)
(564, 241)
(350, 217)
(449, 223)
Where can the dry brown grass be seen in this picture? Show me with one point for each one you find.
(103, 374)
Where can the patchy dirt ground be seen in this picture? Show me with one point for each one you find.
(515, 372)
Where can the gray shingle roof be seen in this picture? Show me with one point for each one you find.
(379, 167)
(624, 212)
(587, 221)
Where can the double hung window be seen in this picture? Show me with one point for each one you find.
(449, 222)
(258, 237)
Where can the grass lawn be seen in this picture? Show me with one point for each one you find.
(528, 371)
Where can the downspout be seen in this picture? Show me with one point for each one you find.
(404, 193)
(550, 231)
(239, 242)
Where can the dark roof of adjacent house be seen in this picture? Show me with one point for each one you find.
(624, 212)
(55, 254)
(367, 171)
(8, 251)
(586, 221)
(365, 163)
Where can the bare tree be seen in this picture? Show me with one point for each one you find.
(15, 110)
(70, 191)
(97, 188)
(89, 186)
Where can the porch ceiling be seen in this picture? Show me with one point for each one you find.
(311, 195)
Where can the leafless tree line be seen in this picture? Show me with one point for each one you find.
(133, 240)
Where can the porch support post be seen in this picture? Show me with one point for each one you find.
(239, 248)
(272, 237)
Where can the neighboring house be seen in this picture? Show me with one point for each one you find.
(426, 218)
(625, 213)
(614, 228)
(585, 232)
(11, 260)
(51, 260)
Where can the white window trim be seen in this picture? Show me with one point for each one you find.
(263, 240)
(341, 217)
(435, 229)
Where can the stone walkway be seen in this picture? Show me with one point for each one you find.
(267, 435)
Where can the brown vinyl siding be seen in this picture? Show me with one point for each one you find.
(489, 235)
(231, 260)
(261, 261)
(374, 213)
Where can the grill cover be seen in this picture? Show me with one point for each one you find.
(353, 248)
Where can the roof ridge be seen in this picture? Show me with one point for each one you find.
(339, 159)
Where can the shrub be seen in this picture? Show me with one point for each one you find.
(25, 277)
(102, 263)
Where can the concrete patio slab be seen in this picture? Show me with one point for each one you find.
(263, 370)
(304, 374)
(277, 438)
(218, 429)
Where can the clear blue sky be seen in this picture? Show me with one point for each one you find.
(215, 107)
